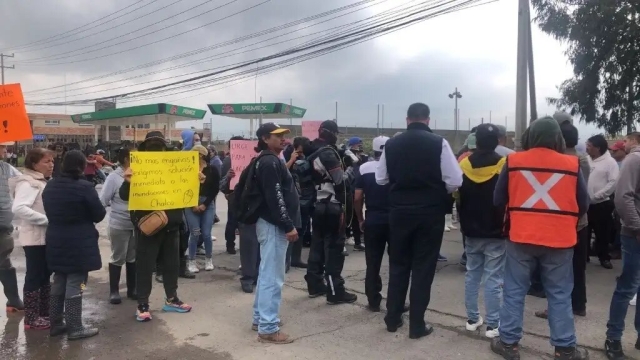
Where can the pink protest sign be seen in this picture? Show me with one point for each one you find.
(241, 152)
(310, 128)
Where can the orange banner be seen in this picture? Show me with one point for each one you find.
(14, 122)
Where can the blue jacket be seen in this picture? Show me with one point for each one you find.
(72, 207)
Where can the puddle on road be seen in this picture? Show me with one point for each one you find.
(17, 343)
(121, 337)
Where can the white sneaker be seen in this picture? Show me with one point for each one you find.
(492, 333)
(350, 241)
(213, 238)
(474, 326)
(208, 264)
(448, 222)
(633, 301)
(192, 266)
(446, 228)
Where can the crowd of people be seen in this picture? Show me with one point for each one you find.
(526, 219)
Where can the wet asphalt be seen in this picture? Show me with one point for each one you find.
(120, 337)
(219, 326)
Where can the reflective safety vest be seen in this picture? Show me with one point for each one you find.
(543, 209)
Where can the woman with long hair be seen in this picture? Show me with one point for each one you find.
(120, 230)
(72, 206)
(200, 218)
(26, 191)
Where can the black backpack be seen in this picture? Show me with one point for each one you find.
(247, 197)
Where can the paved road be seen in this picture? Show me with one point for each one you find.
(219, 326)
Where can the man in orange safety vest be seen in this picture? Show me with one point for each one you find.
(545, 194)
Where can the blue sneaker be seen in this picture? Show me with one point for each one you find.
(441, 258)
(175, 305)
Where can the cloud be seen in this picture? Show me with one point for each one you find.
(473, 50)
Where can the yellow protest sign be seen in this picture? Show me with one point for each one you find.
(164, 180)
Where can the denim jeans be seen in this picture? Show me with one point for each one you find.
(273, 251)
(556, 273)
(485, 259)
(100, 174)
(200, 224)
(627, 286)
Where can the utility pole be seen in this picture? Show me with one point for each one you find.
(382, 117)
(521, 80)
(455, 95)
(378, 122)
(532, 77)
(2, 66)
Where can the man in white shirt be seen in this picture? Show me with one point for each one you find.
(422, 172)
(601, 185)
(502, 150)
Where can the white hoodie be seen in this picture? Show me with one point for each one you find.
(603, 178)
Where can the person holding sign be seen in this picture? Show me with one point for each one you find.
(164, 241)
(200, 218)
(278, 216)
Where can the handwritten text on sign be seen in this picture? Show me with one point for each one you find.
(14, 122)
(310, 128)
(241, 152)
(164, 180)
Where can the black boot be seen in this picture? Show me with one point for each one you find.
(570, 353)
(10, 284)
(73, 313)
(315, 288)
(114, 284)
(296, 255)
(56, 317)
(342, 297)
(131, 281)
(184, 272)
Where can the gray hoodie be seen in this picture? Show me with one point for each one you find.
(119, 217)
(627, 192)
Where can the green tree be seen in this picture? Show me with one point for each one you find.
(603, 46)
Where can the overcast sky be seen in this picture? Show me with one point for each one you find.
(474, 50)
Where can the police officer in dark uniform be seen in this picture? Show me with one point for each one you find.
(325, 256)
(422, 172)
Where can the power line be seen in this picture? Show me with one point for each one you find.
(205, 49)
(235, 52)
(153, 12)
(160, 88)
(343, 41)
(66, 54)
(67, 33)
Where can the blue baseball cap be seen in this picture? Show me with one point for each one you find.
(354, 141)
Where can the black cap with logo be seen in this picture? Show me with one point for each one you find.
(270, 128)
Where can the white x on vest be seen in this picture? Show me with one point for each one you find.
(541, 191)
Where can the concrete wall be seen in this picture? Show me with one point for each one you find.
(367, 134)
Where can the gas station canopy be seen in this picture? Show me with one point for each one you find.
(163, 116)
(143, 114)
(257, 111)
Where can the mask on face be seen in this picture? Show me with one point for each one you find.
(197, 143)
